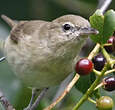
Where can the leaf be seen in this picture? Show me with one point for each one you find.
(97, 22)
(105, 24)
(109, 25)
(85, 82)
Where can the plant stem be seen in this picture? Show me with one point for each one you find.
(100, 85)
(94, 51)
(91, 100)
(108, 58)
(91, 89)
(97, 72)
(67, 89)
(109, 71)
(105, 5)
(108, 44)
(106, 55)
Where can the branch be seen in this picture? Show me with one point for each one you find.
(67, 89)
(4, 101)
(104, 5)
(43, 92)
(2, 59)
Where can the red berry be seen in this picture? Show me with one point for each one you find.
(99, 61)
(105, 103)
(110, 49)
(109, 83)
(84, 66)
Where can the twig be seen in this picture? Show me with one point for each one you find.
(67, 89)
(105, 5)
(34, 94)
(91, 100)
(4, 101)
(94, 51)
(2, 59)
(100, 85)
(109, 71)
(34, 106)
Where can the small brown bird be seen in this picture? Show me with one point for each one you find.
(41, 53)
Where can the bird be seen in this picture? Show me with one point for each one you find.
(41, 53)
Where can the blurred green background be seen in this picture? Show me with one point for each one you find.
(13, 89)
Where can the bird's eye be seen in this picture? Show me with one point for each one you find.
(66, 27)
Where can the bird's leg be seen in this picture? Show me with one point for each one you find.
(36, 103)
(34, 94)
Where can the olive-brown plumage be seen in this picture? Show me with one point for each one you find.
(41, 53)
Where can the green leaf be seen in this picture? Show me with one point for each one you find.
(109, 25)
(105, 24)
(85, 82)
(97, 22)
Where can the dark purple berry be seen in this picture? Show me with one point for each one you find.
(99, 61)
(109, 83)
(113, 45)
(84, 66)
(110, 49)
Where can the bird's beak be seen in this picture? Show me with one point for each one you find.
(88, 31)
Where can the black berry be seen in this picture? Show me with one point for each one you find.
(99, 61)
(105, 103)
(109, 83)
(84, 66)
(110, 49)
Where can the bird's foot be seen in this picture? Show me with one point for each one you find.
(33, 106)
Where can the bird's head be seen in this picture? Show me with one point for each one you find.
(69, 29)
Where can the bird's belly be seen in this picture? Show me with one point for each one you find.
(36, 70)
(38, 73)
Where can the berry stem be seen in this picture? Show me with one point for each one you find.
(91, 89)
(109, 71)
(106, 55)
(108, 44)
(94, 51)
(97, 72)
(91, 100)
(100, 85)
(112, 62)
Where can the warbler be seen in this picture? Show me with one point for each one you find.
(41, 53)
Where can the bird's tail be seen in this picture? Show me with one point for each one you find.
(9, 21)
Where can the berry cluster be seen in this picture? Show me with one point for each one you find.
(85, 66)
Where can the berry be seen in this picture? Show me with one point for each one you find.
(99, 61)
(105, 103)
(113, 45)
(109, 83)
(84, 66)
(110, 49)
